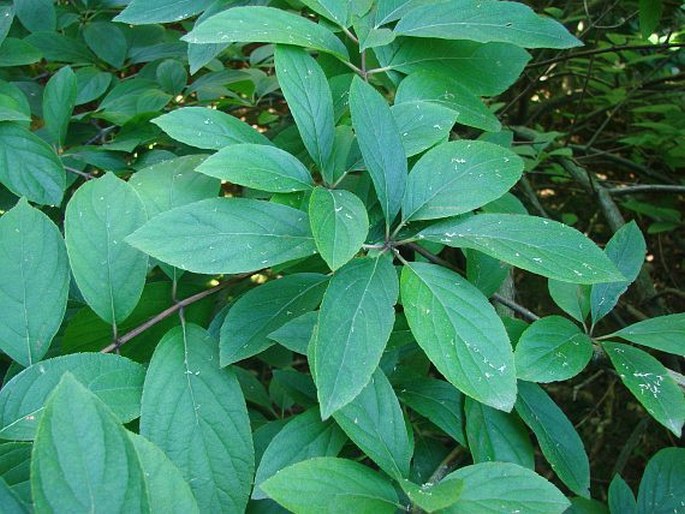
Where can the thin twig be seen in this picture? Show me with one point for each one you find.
(645, 188)
(595, 51)
(83, 174)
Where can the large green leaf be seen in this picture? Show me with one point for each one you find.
(266, 25)
(226, 235)
(627, 250)
(422, 124)
(83, 459)
(117, 381)
(309, 98)
(325, 483)
(335, 10)
(650, 383)
(29, 166)
(339, 223)
(296, 334)
(380, 144)
(59, 99)
(195, 412)
(264, 309)
(551, 349)
(374, 421)
(355, 322)
(496, 487)
(573, 299)
(206, 128)
(539, 245)
(460, 333)
(665, 333)
(34, 283)
(36, 15)
(262, 167)
(663, 484)
(109, 273)
(304, 437)
(107, 41)
(458, 177)
(621, 499)
(486, 21)
(139, 12)
(560, 443)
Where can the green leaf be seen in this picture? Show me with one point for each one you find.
(17, 52)
(662, 488)
(355, 321)
(258, 166)
(264, 309)
(486, 21)
(296, 334)
(83, 459)
(433, 497)
(29, 166)
(168, 492)
(34, 283)
(334, 10)
(195, 412)
(422, 124)
(497, 436)
(439, 402)
(11, 109)
(485, 272)
(304, 437)
(539, 245)
(375, 423)
(458, 177)
(309, 98)
(460, 333)
(107, 41)
(445, 89)
(36, 15)
(6, 19)
(140, 12)
(380, 144)
(266, 25)
(10, 501)
(663, 333)
(552, 349)
(91, 84)
(226, 235)
(59, 99)
(650, 383)
(560, 443)
(573, 299)
(339, 224)
(650, 14)
(206, 128)
(319, 484)
(391, 10)
(173, 183)
(54, 46)
(627, 250)
(172, 76)
(117, 381)
(109, 273)
(15, 470)
(495, 487)
(621, 497)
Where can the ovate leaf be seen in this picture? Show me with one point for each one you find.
(460, 333)
(573, 299)
(296, 334)
(83, 459)
(107, 41)
(422, 124)
(334, 10)
(109, 272)
(539, 245)
(650, 14)
(621, 498)
(339, 223)
(195, 412)
(663, 486)
(433, 497)
(59, 99)
(34, 283)
(355, 321)
(317, 485)
(36, 15)
(139, 12)
(225, 235)
(650, 383)
(663, 333)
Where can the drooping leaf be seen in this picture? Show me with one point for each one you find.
(541, 246)
(650, 383)
(226, 235)
(29, 166)
(433, 497)
(573, 299)
(458, 177)
(206, 128)
(663, 486)
(355, 322)
(303, 438)
(83, 459)
(264, 309)
(663, 333)
(59, 99)
(34, 283)
(139, 12)
(621, 498)
(18, 52)
(296, 333)
(391, 10)
(552, 349)
(314, 485)
(486, 21)
(258, 166)
(560, 443)
(374, 421)
(308, 94)
(266, 25)
(107, 41)
(36, 15)
(460, 333)
(380, 144)
(422, 124)
(195, 412)
(109, 272)
(627, 250)
(117, 381)
(339, 224)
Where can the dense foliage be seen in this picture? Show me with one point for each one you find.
(258, 256)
